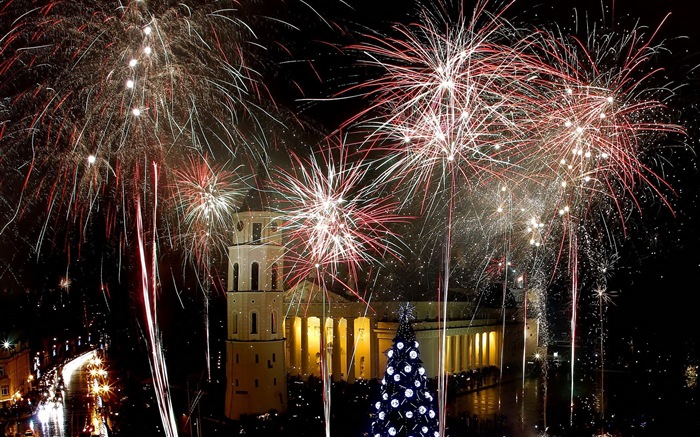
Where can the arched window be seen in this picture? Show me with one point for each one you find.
(254, 274)
(253, 322)
(273, 323)
(235, 277)
(273, 277)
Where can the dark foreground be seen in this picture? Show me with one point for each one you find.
(635, 405)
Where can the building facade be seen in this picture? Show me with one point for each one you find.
(15, 373)
(357, 337)
(255, 353)
(273, 333)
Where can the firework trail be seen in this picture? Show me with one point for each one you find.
(441, 113)
(333, 220)
(334, 217)
(93, 92)
(149, 290)
(206, 198)
(94, 89)
(604, 298)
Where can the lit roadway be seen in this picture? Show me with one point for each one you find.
(73, 416)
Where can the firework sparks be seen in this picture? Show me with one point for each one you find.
(98, 88)
(149, 289)
(444, 102)
(333, 217)
(473, 103)
(94, 92)
(207, 197)
(598, 115)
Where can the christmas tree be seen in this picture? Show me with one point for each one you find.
(406, 407)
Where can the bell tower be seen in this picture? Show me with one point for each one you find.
(255, 348)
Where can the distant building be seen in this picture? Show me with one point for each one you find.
(15, 372)
(272, 333)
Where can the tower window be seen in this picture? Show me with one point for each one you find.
(273, 357)
(257, 360)
(274, 381)
(257, 233)
(256, 382)
(254, 275)
(253, 322)
(235, 277)
(273, 324)
(273, 276)
(236, 358)
(235, 323)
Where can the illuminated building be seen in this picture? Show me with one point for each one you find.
(357, 338)
(15, 372)
(255, 356)
(272, 333)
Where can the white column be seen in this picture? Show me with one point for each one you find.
(304, 347)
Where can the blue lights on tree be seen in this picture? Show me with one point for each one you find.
(406, 408)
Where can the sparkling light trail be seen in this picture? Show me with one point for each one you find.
(334, 217)
(551, 117)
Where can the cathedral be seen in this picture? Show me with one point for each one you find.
(273, 333)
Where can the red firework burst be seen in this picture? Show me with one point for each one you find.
(333, 218)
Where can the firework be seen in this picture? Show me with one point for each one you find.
(333, 216)
(599, 116)
(441, 115)
(560, 125)
(334, 219)
(207, 197)
(443, 105)
(95, 91)
(599, 119)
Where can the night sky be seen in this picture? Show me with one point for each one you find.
(655, 278)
